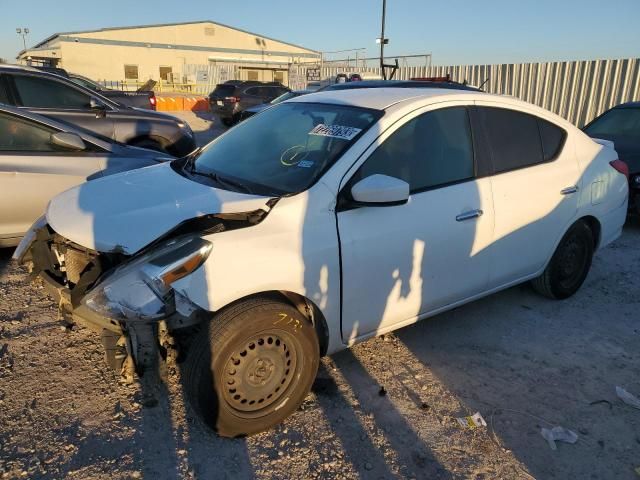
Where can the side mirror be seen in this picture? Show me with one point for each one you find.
(380, 190)
(68, 141)
(96, 105)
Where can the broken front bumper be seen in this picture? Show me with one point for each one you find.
(114, 294)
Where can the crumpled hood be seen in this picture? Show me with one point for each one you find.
(127, 211)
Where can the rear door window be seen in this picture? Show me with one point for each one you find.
(254, 91)
(514, 138)
(38, 92)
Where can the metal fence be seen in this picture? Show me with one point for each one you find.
(577, 91)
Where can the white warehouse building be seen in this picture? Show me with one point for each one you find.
(170, 52)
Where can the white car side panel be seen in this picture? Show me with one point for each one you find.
(605, 191)
(530, 210)
(294, 249)
(399, 262)
(29, 180)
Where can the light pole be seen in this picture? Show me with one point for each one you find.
(23, 32)
(383, 41)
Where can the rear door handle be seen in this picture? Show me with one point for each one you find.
(569, 190)
(469, 215)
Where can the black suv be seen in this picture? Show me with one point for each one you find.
(230, 99)
(57, 97)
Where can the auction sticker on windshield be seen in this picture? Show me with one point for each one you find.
(335, 131)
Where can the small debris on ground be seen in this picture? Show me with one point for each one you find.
(472, 421)
(558, 434)
(628, 398)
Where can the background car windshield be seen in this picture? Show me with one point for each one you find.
(286, 148)
(283, 97)
(621, 122)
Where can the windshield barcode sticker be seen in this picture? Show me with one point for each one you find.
(335, 131)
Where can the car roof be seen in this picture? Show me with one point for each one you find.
(379, 98)
(628, 105)
(11, 66)
(400, 83)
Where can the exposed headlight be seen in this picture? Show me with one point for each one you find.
(635, 181)
(141, 288)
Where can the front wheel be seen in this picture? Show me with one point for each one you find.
(569, 265)
(252, 367)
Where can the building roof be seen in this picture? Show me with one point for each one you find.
(77, 32)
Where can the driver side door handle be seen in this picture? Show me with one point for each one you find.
(569, 190)
(469, 215)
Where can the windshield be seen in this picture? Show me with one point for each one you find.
(619, 122)
(85, 82)
(283, 97)
(285, 149)
(224, 90)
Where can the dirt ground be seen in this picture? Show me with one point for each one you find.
(384, 409)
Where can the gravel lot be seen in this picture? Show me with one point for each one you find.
(384, 409)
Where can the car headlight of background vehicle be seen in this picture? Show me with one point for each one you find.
(635, 181)
(140, 289)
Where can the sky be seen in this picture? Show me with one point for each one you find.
(454, 32)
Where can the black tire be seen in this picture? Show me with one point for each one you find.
(251, 367)
(227, 122)
(569, 264)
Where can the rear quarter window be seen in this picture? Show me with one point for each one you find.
(552, 137)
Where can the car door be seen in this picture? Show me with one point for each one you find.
(33, 170)
(57, 99)
(399, 262)
(535, 182)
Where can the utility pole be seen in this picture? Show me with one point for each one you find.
(383, 40)
(23, 32)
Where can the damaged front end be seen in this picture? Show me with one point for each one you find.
(128, 299)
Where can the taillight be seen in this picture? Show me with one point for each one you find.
(152, 101)
(232, 99)
(621, 167)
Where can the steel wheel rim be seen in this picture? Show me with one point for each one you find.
(572, 262)
(258, 372)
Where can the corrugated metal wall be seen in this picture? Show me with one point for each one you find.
(577, 91)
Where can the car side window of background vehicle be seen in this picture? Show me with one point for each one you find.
(618, 122)
(17, 135)
(45, 93)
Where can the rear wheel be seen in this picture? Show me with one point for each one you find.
(569, 265)
(252, 367)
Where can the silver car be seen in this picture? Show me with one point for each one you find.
(41, 157)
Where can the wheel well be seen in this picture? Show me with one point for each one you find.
(305, 306)
(594, 226)
(148, 138)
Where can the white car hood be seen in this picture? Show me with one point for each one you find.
(127, 211)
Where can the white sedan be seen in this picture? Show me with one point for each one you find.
(321, 222)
